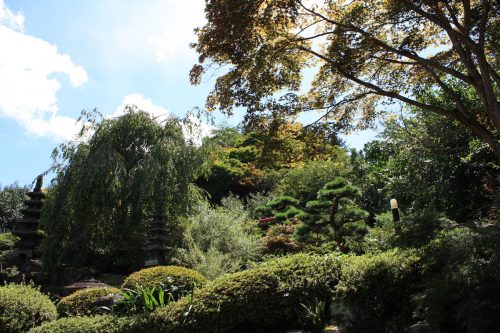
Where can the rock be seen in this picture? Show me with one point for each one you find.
(422, 327)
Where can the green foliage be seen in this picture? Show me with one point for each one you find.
(418, 229)
(95, 324)
(381, 237)
(84, 302)
(11, 202)
(219, 239)
(304, 182)
(312, 316)
(372, 54)
(374, 292)
(106, 189)
(246, 162)
(460, 291)
(23, 307)
(145, 300)
(233, 165)
(159, 276)
(7, 241)
(426, 161)
(259, 298)
(334, 210)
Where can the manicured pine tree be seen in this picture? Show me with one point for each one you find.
(334, 208)
(282, 209)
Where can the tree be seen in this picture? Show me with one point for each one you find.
(107, 188)
(304, 182)
(243, 162)
(364, 53)
(430, 162)
(335, 208)
(11, 203)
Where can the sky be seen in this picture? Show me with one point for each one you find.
(59, 57)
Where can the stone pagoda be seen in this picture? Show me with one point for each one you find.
(156, 249)
(27, 227)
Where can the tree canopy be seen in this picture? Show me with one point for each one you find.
(107, 189)
(363, 53)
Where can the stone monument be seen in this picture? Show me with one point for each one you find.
(27, 228)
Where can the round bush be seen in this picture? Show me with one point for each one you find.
(83, 302)
(95, 324)
(181, 277)
(23, 307)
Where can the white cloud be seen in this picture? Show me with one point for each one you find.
(28, 80)
(9, 19)
(192, 127)
(142, 103)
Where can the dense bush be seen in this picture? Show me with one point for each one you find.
(23, 307)
(83, 302)
(11, 203)
(261, 298)
(374, 292)
(96, 324)
(7, 241)
(181, 277)
(461, 291)
(219, 239)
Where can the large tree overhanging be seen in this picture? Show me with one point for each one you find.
(363, 51)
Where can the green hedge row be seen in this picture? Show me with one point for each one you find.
(371, 289)
(95, 324)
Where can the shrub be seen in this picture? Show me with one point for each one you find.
(23, 307)
(219, 240)
(260, 298)
(461, 289)
(180, 277)
(374, 291)
(7, 241)
(83, 302)
(96, 324)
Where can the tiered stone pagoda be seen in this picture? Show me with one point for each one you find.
(156, 239)
(27, 227)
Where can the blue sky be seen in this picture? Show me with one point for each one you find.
(59, 57)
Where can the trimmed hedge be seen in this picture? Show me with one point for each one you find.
(83, 302)
(23, 307)
(156, 276)
(374, 292)
(96, 324)
(264, 297)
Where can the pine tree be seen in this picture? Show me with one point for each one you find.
(334, 208)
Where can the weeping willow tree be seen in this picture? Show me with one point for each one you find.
(107, 187)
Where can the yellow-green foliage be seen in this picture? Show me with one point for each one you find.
(82, 302)
(7, 241)
(156, 276)
(264, 297)
(23, 307)
(96, 324)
